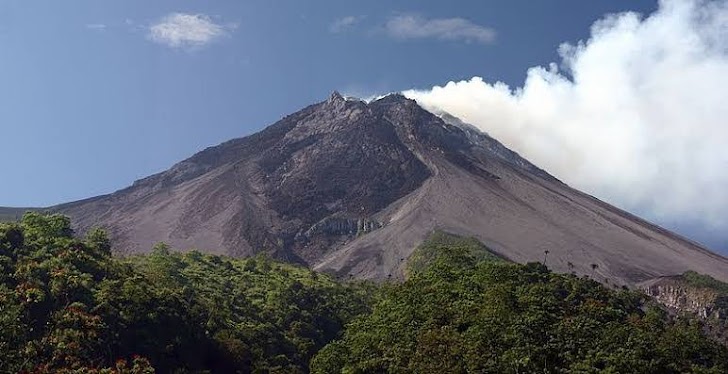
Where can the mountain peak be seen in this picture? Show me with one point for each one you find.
(393, 97)
(335, 96)
(352, 187)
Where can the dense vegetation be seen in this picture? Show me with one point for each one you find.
(440, 242)
(461, 315)
(694, 279)
(66, 305)
(716, 324)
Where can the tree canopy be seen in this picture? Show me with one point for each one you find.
(464, 315)
(68, 306)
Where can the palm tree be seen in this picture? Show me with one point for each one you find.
(594, 269)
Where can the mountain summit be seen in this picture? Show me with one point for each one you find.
(353, 187)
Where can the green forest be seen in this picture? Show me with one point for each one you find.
(68, 306)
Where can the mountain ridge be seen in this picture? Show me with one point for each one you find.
(352, 187)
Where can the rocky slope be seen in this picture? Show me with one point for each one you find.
(681, 295)
(694, 294)
(12, 214)
(352, 188)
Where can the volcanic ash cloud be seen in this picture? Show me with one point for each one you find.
(636, 115)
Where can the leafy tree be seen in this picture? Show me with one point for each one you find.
(461, 315)
(67, 306)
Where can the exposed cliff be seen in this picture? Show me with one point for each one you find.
(679, 294)
(694, 294)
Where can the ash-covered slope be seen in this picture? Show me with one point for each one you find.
(295, 189)
(352, 187)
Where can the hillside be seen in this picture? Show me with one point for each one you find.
(68, 306)
(352, 187)
(12, 214)
(464, 315)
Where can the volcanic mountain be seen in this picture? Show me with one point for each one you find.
(352, 188)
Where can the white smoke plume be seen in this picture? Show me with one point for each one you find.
(637, 115)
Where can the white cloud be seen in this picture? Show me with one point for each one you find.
(412, 26)
(344, 23)
(96, 26)
(638, 115)
(179, 30)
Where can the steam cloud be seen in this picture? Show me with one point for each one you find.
(179, 30)
(637, 115)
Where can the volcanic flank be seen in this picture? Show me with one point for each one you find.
(352, 188)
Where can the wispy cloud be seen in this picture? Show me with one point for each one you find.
(96, 26)
(344, 23)
(179, 30)
(414, 26)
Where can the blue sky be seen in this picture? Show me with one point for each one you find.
(90, 103)
(94, 95)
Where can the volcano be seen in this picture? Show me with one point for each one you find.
(352, 187)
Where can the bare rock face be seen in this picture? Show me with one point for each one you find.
(351, 187)
(295, 189)
(680, 296)
(694, 294)
(345, 160)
